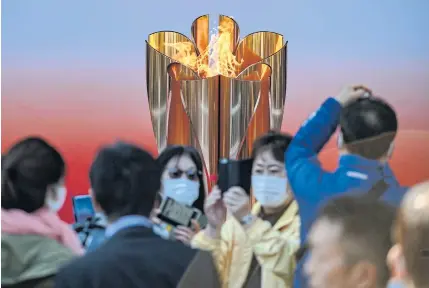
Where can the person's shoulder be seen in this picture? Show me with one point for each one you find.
(395, 194)
(174, 250)
(89, 262)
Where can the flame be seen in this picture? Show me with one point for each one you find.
(216, 59)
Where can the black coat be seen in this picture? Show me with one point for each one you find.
(133, 257)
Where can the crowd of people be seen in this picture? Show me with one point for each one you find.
(301, 226)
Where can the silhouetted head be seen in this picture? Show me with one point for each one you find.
(124, 180)
(32, 176)
(368, 128)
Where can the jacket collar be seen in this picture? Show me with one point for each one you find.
(287, 217)
(359, 163)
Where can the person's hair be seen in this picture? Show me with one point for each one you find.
(124, 179)
(369, 126)
(365, 230)
(178, 151)
(275, 142)
(29, 167)
(413, 233)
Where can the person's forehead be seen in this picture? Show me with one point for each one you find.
(325, 232)
(181, 162)
(266, 156)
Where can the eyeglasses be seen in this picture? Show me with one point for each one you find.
(176, 173)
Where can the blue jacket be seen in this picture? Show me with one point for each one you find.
(312, 185)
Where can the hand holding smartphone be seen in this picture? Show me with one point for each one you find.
(234, 173)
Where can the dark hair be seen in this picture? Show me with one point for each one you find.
(177, 151)
(366, 226)
(369, 126)
(28, 169)
(276, 142)
(124, 179)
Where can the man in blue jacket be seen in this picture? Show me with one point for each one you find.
(368, 126)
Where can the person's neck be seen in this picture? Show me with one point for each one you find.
(343, 151)
(274, 210)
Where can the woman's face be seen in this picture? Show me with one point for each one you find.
(180, 167)
(180, 180)
(265, 164)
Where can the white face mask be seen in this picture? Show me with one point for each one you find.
(181, 190)
(56, 204)
(270, 191)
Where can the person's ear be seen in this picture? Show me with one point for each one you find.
(97, 206)
(395, 261)
(364, 275)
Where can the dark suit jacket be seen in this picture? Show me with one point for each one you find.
(133, 257)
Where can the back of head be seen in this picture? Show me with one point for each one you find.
(413, 233)
(125, 180)
(365, 226)
(275, 142)
(29, 168)
(368, 127)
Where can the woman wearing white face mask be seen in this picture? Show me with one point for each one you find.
(258, 242)
(35, 242)
(182, 181)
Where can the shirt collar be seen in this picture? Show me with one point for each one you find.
(127, 222)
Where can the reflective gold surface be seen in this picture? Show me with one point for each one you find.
(158, 81)
(220, 116)
(201, 102)
(268, 48)
(200, 31)
(259, 124)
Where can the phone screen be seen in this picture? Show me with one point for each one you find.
(175, 213)
(82, 208)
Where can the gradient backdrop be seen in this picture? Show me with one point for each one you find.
(73, 71)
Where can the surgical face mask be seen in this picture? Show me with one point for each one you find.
(181, 190)
(56, 204)
(270, 191)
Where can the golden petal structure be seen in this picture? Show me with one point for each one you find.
(215, 92)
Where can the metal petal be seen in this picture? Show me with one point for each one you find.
(158, 87)
(268, 48)
(259, 122)
(201, 102)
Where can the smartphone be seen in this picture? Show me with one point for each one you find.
(82, 208)
(234, 173)
(177, 214)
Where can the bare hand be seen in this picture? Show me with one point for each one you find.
(154, 216)
(237, 202)
(185, 234)
(351, 93)
(214, 209)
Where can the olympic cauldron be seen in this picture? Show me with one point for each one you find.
(216, 92)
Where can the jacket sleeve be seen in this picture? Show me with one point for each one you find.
(202, 242)
(275, 250)
(303, 168)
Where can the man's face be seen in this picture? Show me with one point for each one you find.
(325, 266)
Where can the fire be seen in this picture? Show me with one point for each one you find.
(216, 59)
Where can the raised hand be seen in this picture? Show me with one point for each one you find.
(352, 92)
(214, 209)
(185, 234)
(237, 202)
